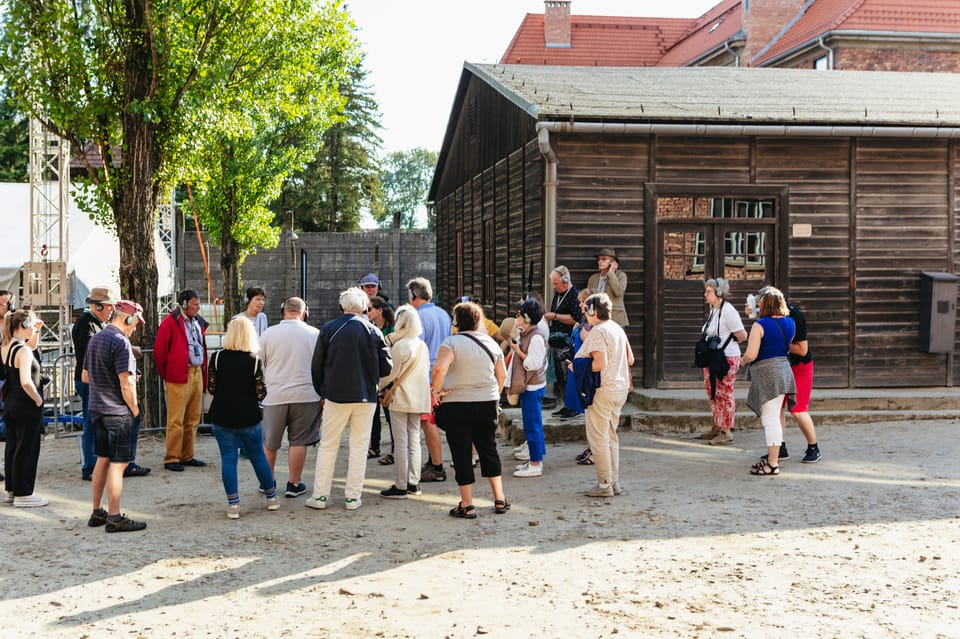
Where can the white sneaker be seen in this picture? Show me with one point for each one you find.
(317, 502)
(8, 497)
(273, 504)
(529, 471)
(522, 452)
(521, 466)
(30, 501)
(353, 504)
(233, 511)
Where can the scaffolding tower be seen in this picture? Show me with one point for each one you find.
(45, 275)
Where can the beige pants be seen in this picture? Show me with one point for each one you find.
(603, 415)
(184, 402)
(335, 418)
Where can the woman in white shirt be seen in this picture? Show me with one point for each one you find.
(254, 301)
(724, 321)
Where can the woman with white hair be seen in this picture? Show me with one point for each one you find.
(725, 324)
(235, 379)
(407, 394)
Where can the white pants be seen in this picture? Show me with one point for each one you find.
(405, 429)
(335, 419)
(770, 418)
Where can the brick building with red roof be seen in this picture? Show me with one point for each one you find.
(871, 35)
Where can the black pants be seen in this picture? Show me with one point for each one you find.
(470, 424)
(375, 429)
(24, 429)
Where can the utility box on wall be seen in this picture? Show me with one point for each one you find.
(938, 312)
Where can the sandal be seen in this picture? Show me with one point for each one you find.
(586, 460)
(371, 453)
(584, 454)
(464, 512)
(501, 506)
(386, 460)
(763, 467)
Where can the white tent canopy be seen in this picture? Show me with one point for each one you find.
(94, 251)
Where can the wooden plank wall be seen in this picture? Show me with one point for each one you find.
(510, 193)
(818, 172)
(901, 207)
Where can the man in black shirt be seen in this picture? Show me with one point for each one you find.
(564, 314)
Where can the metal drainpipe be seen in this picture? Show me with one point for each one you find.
(549, 204)
(828, 50)
(738, 130)
(729, 49)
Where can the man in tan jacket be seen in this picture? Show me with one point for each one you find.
(612, 281)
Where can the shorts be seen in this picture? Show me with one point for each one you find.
(301, 421)
(803, 376)
(114, 437)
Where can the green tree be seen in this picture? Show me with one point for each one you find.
(14, 144)
(144, 82)
(344, 177)
(274, 130)
(406, 181)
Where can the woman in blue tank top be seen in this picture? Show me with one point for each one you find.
(769, 373)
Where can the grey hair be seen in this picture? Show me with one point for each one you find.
(719, 285)
(354, 300)
(601, 305)
(408, 323)
(419, 289)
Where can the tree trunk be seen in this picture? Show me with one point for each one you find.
(135, 206)
(230, 260)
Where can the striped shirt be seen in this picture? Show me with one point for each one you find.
(109, 355)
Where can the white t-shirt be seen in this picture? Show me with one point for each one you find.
(287, 353)
(730, 322)
(608, 337)
(259, 322)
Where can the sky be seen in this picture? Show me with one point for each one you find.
(415, 50)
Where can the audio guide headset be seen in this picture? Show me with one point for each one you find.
(185, 296)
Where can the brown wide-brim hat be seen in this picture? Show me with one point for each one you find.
(103, 295)
(506, 327)
(608, 252)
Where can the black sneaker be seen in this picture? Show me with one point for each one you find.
(414, 489)
(98, 518)
(295, 490)
(812, 455)
(124, 524)
(569, 413)
(394, 493)
(561, 411)
(784, 455)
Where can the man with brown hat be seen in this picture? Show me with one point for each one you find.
(101, 303)
(612, 281)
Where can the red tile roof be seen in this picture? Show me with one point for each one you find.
(893, 16)
(708, 32)
(606, 41)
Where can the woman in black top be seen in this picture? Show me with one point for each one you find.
(235, 379)
(23, 409)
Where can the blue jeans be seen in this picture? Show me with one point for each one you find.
(571, 398)
(531, 408)
(231, 441)
(88, 458)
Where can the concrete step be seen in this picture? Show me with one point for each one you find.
(693, 422)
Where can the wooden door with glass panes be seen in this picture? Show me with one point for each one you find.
(702, 238)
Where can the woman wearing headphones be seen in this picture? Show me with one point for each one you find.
(528, 378)
(724, 321)
(254, 300)
(23, 408)
(606, 344)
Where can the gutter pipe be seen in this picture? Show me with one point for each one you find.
(769, 130)
(549, 204)
(830, 61)
(729, 49)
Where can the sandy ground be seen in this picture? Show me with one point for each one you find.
(864, 544)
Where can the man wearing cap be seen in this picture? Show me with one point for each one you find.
(101, 302)
(180, 352)
(612, 281)
(370, 284)
(111, 372)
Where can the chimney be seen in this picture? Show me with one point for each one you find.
(556, 24)
(763, 20)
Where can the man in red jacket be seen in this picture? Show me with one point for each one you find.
(180, 352)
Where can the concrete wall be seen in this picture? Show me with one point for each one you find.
(334, 261)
